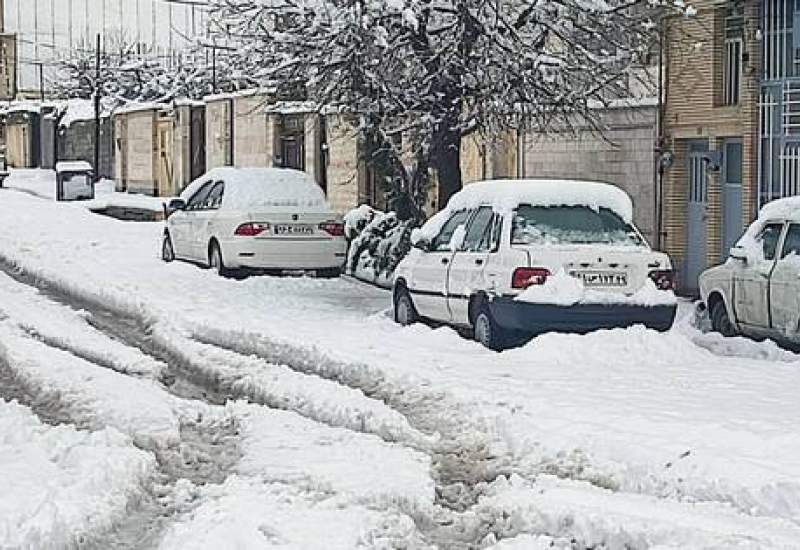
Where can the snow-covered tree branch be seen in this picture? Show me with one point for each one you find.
(441, 69)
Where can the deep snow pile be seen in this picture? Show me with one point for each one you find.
(61, 484)
(379, 241)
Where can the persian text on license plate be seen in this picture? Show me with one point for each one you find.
(603, 278)
(293, 229)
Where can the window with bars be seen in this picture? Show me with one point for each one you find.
(732, 62)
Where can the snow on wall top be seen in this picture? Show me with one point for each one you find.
(73, 166)
(266, 189)
(505, 195)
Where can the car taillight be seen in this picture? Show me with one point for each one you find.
(333, 229)
(524, 277)
(251, 229)
(664, 279)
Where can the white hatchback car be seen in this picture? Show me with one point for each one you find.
(520, 257)
(255, 219)
(756, 292)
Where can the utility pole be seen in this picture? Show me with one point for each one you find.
(97, 112)
(214, 67)
(41, 80)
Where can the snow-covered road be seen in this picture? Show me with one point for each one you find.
(292, 413)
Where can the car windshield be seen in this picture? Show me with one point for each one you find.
(571, 225)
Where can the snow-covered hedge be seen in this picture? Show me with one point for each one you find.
(378, 242)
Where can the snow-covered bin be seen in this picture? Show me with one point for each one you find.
(74, 181)
(378, 242)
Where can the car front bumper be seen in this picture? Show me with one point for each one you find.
(532, 318)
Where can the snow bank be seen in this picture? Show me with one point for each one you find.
(249, 514)
(277, 386)
(562, 289)
(61, 484)
(66, 328)
(42, 183)
(97, 396)
(592, 517)
(264, 189)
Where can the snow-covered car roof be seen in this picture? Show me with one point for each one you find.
(266, 189)
(781, 209)
(505, 195)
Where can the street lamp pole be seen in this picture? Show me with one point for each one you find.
(97, 112)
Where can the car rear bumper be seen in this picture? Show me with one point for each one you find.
(289, 255)
(580, 318)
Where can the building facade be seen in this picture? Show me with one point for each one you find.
(711, 145)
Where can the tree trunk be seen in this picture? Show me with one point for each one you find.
(447, 161)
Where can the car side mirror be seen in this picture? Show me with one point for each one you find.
(176, 204)
(423, 244)
(738, 253)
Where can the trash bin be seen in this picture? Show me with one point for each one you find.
(74, 181)
(3, 168)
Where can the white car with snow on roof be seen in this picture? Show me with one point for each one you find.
(521, 257)
(255, 219)
(756, 292)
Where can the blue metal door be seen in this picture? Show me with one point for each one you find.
(697, 214)
(731, 195)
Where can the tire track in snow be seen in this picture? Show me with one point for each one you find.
(465, 467)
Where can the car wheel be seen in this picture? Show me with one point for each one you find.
(405, 313)
(330, 273)
(167, 251)
(720, 321)
(215, 261)
(487, 331)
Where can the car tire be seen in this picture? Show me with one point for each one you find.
(167, 250)
(405, 312)
(215, 260)
(720, 321)
(330, 273)
(487, 331)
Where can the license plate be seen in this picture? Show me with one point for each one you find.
(602, 278)
(293, 229)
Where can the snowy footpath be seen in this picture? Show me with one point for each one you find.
(293, 413)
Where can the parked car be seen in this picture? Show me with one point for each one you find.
(756, 292)
(234, 219)
(510, 258)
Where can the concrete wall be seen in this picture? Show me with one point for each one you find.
(253, 133)
(218, 133)
(625, 158)
(76, 142)
(342, 164)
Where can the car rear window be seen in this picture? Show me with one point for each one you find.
(571, 225)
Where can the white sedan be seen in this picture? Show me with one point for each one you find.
(234, 219)
(508, 258)
(756, 292)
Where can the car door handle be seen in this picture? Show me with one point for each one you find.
(445, 261)
(479, 261)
